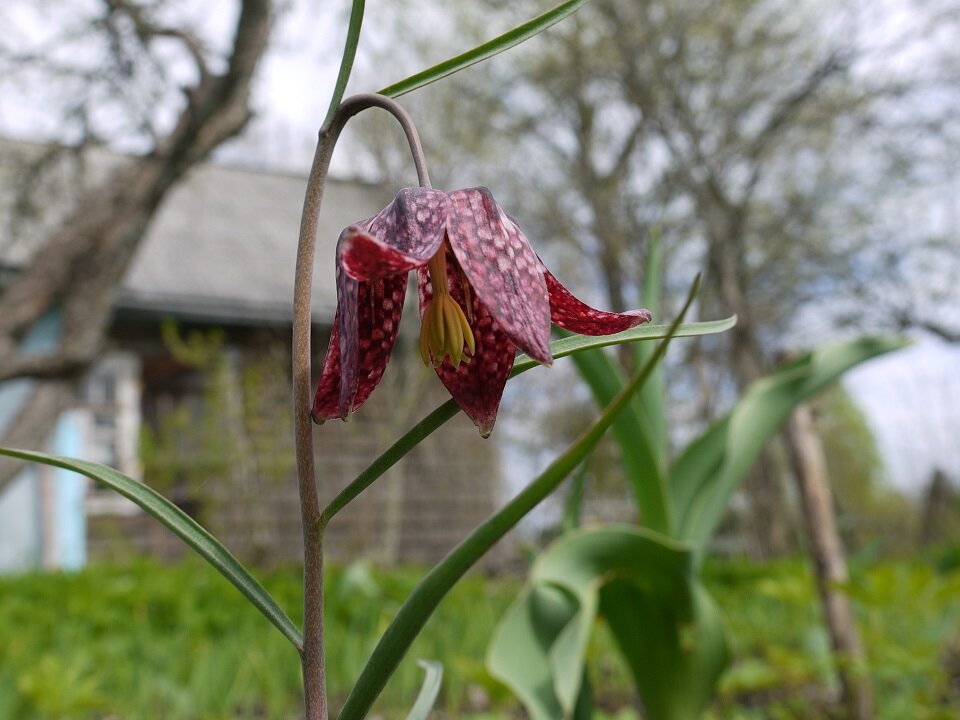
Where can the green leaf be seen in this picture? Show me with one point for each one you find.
(182, 525)
(428, 593)
(346, 61)
(560, 348)
(520, 651)
(675, 645)
(573, 506)
(428, 691)
(643, 584)
(711, 468)
(580, 343)
(487, 50)
(652, 397)
(642, 466)
(640, 431)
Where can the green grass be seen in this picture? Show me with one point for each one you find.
(150, 641)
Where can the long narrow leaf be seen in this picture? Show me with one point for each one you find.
(181, 524)
(346, 60)
(711, 469)
(428, 691)
(559, 348)
(640, 431)
(487, 50)
(652, 396)
(428, 593)
(579, 343)
(642, 466)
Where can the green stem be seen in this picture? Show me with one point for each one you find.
(389, 458)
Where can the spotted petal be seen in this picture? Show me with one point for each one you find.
(365, 331)
(476, 386)
(373, 258)
(502, 269)
(576, 316)
(403, 236)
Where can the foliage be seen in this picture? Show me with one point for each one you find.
(673, 638)
(421, 604)
(673, 643)
(907, 614)
(209, 658)
(233, 434)
(869, 511)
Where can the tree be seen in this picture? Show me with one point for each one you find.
(76, 271)
(761, 137)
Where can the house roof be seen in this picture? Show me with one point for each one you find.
(222, 246)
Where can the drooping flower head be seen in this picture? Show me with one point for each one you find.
(483, 291)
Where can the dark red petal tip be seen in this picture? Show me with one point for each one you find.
(576, 316)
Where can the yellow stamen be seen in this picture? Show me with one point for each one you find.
(444, 330)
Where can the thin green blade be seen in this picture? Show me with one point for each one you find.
(428, 593)
(428, 691)
(579, 343)
(652, 398)
(487, 50)
(560, 348)
(710, 469)
(182, 525)
(346, 60)
(642, 466)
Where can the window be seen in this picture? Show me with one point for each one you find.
(108, 406)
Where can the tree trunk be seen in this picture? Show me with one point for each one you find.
(829, 564)
(80, 268)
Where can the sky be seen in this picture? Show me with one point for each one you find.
(911, 399)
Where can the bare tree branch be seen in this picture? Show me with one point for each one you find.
(80, 268)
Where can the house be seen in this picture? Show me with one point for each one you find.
(192, 395)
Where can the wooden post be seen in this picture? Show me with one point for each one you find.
(829, 563)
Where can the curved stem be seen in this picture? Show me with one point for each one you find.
(312, 654)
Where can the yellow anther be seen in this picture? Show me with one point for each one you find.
(444, 329)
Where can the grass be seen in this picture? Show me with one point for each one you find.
(145, 641)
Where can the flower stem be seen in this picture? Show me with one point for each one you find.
(312, 654)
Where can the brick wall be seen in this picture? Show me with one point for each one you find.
(415, 513)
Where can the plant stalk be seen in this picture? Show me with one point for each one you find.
(312, 654)
(829, 562)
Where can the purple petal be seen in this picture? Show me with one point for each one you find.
(373, 258)
(476, 386)
(368, 318)
(326, 403)
(404, 235)
(571, 314)
(503, 270)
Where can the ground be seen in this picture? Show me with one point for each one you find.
(178, 642)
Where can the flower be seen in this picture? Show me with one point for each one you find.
(484, 293)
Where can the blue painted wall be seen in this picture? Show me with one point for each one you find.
(21, 511)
